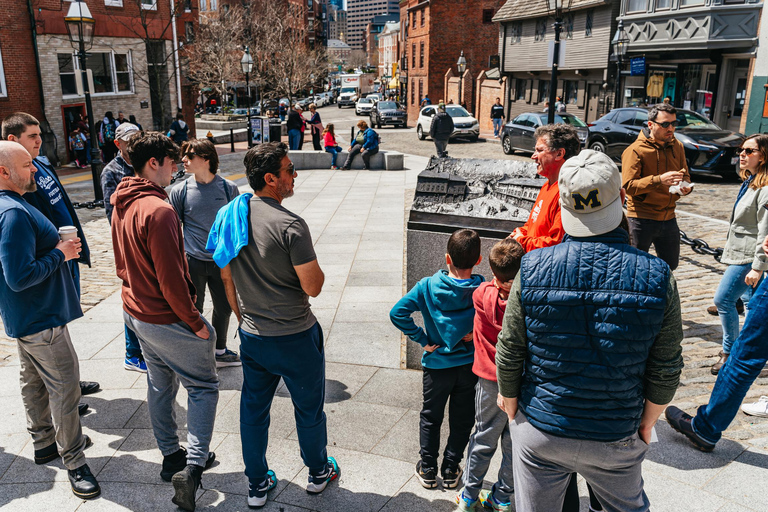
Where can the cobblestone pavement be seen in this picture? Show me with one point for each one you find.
(703, 214)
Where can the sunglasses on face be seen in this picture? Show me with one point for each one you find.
(667, 124)
(190, 155)
(748, 151)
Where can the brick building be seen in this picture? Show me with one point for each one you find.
(434, 33)
(122, 64)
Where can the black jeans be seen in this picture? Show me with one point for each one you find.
(316, 140)
(663, 234)
(205, 273)
(458, 384)
(367, 154)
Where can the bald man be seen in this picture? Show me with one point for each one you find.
(37, 300)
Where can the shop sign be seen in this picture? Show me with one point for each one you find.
(637, 66)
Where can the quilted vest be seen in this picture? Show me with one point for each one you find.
(593, 308)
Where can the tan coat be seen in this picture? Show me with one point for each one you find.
(748, 229)
(642, 165)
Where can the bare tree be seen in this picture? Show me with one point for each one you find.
(357, 59)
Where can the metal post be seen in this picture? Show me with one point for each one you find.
(231, 140)
(96, 163)
(553, 80)
(617, 95)
(248, 95)
(460, 77)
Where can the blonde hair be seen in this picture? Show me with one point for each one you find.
(761, 173)
(329, 129)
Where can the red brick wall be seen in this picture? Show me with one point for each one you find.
(487, 92)
(18, 61)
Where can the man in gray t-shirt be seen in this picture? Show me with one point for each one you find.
(197, 200)
(268, 285)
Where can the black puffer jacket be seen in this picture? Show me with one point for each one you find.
(441, 127)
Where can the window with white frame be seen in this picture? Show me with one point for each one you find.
(149, 5)
(111, 72)
(113, 3)
(3, 89)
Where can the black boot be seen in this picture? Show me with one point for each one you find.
(177, 461)
(84, 484)
(186, 483)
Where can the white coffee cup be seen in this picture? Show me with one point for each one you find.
(67, 232)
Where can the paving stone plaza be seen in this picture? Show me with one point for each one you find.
(357, 220)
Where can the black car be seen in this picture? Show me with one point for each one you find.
(388, 112)
(708, 148)
(518, 133)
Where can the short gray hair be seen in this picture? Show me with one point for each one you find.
(560, 136)
(661, 107)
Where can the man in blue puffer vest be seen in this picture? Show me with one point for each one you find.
(589, 354)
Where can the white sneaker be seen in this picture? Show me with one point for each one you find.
(759, 408)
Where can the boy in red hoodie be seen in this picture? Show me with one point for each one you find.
(491, 423)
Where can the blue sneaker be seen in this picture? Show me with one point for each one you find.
(465, 503)
(489, 501)
(135, 364)
(257, 493)
(317, 483)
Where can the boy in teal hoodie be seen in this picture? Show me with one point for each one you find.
(445, 302)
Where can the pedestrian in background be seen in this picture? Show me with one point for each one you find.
(77, 145)
(649, 167)
(132, 120)
(179, 130)
(82, 123)
(316, 127)
(441, 129)
(329, 140)
(365, 143)
(742, 252)
(497, 117)
(294, 127)
(107, 133)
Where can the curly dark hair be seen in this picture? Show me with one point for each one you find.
(262, 159)
(560, 136)
(143, 146)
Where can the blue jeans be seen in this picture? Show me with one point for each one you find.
(497, 124)
(748, 356)
(132, 347)
(731, 287)
(334, 151)
(294, 136)
(300, 360)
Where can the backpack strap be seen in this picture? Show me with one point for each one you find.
(183, 200)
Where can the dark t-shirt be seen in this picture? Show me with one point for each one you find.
(269, 293)
(497, 111)
(294, 121)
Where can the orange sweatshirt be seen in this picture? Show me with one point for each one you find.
(543, 227)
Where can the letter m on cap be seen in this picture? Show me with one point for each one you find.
(579, 202)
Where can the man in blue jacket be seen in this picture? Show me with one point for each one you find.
(589, 353)
(37, 301)
(366, 144)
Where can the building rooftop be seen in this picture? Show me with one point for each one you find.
(337, 44)
(522, 9)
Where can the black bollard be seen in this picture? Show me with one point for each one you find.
(231, 140)
(351, 135)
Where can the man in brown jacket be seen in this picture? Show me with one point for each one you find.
(650, 166)
(159, 306)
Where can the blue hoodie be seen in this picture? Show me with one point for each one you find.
(448, 311)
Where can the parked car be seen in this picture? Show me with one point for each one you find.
(708, 148)
(240, 112)
(464, 125)
(363, 106)
(388, 112)
(374, 96)
(517, 135)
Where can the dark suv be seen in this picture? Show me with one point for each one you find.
(708, 148)
(386, 112)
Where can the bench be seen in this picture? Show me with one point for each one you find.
(310, 159)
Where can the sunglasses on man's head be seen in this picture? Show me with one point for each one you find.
(748, 151)
(667, 124)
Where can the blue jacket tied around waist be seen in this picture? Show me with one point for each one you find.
(593, 308)
(229, 232)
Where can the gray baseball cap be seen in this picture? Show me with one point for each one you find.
(590, 194)
(125, 130)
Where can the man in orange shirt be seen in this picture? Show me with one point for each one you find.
(555, 143)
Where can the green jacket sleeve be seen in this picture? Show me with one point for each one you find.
(665, 360)
(512, 346)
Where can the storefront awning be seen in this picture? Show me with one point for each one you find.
(394, 83)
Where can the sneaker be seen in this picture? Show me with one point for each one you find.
(451, 477)
(228, 358)
(489, 501)
(177, 461)
(759, 408)
(681, 422)
(135, 364)
(427, 476)
(84, 484)
(186, 483)
(257, 493)
(317, 483)
(719, 364)
(465, 503)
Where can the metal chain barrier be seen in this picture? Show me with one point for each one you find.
(92, 205)
(699, 246)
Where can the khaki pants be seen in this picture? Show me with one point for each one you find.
(50, 389)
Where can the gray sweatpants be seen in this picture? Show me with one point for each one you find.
(175, 354)
(491, 425)
(50, 389)
(543, 464)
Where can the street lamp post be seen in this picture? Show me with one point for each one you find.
(620, 44)
(80, 27)
(247, 65)
(462, 65)
(556, 8)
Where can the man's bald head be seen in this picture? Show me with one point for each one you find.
(17, 172)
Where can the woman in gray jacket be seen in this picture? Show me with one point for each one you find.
(743, 254)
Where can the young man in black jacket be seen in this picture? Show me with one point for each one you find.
(440, 130)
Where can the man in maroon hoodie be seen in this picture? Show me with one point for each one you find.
(159, 306)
